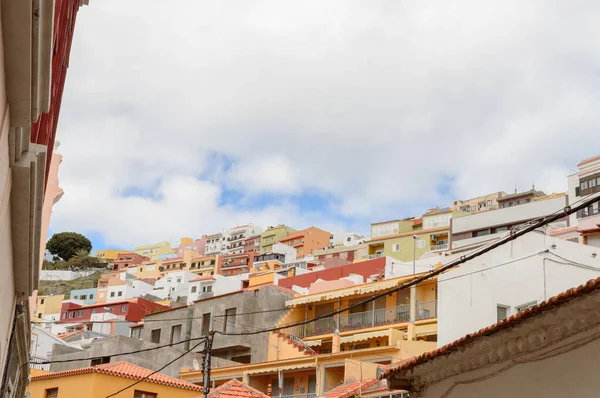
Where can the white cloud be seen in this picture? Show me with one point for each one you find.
(371, 104)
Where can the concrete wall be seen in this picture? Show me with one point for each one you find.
(507, 215)
(468, 296)
(120, 344)
(62, 275)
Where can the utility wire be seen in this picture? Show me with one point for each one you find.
(201, 339)
(156, 371)
(462, 259)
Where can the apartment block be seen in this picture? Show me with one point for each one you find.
(236, 237)
(307, 240)
(273, 235)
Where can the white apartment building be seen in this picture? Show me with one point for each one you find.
(130, 289)
(237, 235)
(216, 244)
(203, 287)
(508, 279)
(173, 285)
(346, 239)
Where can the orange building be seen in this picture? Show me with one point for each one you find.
(307, 240)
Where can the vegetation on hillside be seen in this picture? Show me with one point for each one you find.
(81, 260)
(64, 287)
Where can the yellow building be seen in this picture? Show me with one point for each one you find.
(314, 358)
(47, 305)
(155, 250)
(205, 265)
(102, 380)
(148, 269)
(273, 235)
(110, 254)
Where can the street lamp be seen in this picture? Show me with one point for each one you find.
(415, 239)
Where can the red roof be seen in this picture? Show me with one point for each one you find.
(123, 369)
(563, 231)
(236, 389)
(202, 278)
(351, 389)
(589, 160)
(507, 323)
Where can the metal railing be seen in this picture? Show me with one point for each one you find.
(205, 295)
(589, 212)
(426, 309)
(34, 362)
(297, 340)
(441, 245)
(357, 320)
(309, 395)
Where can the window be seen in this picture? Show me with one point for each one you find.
(93, 310)
(112, 294)
(39, 315)
(91, 296)
(396, 247)
(592, 183)
(349, 239)
(64, 315)
(525, 306)
(175, 334)
(584, 185)
(100, 361)
(51, 393)
(143, 394)
(72, 314)
(124, 308)
(501, 312)
(43, 300)
(155, 336)
(420, 244)
(205, 324)
(178, 280)
(84, 296)
(120, 293)
(489, 203)
(473, 208)
(79, 314)
(76, 298)
(229, 320)
(194, 288)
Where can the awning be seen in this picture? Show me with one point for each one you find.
(352, 291)
(276, 369)
(313, 343)
(364, 336)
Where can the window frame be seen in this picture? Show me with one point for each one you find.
(506, 308)
(49, 391)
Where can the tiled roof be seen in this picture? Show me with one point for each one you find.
(589, 160)
(235, 389)
(563, 231)
(203, 278)
(507, 323)
(126, 370)
(350, 389)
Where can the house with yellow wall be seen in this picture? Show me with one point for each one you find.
(273, 235)
(110, 255)
(204, 265)
(103, 380)
(154, 250)
(47, 305)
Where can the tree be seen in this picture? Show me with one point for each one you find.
(82, 260)
(66, 244)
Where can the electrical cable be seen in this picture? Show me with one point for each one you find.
(118, 354)
(156, 371)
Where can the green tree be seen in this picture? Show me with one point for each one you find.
(67, 244)
(82, 260)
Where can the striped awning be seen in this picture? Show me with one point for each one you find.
(357, 290)
(313, 343)
(364, 336)
(276, 369)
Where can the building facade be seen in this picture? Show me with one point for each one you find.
(86, 296)
(480, 203)
(110, 255)
(47, 306)
(155, 250)
(236, 237)
(252, 244)
(273, 235)
(125, 260)
(307, 240)
(215, 244)
(519, 198)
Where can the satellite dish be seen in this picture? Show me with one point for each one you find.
(196, 364)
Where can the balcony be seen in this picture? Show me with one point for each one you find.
(363, 320)
(309, 395)
(589, 212)
(441, 245)
(426, 310)
(205, 295)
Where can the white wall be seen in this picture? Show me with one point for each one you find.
(220, 285)
(42, 342)
(395, 268)
(132, 289)
(169, 285)
(119, 327)
(288, 251)
(468, 295)
(63, 275)
(507, 215)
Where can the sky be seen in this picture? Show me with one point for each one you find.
(188, 117)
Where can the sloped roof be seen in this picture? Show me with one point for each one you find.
(355, 388)
(235, 389)
(589, 160)
(126, 370)
(203, 278)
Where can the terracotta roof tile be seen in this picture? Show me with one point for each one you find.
(350, 389)
(235, 389)
(589, 160)
(203, 278)
(507, 323)
(563, 231)
(123, 369)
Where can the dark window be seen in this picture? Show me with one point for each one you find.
(42, 301)
(205, 324)
(229, 320)
(100, 361)
(194, 288)
(84, 296)
(51, 393)
(91, 296)
(577, 191)
(242, 359)
(39, 315)
(175, 334)
(112, 294)
(124, 308)
(155, 336)
(120, 294)
(144, 394)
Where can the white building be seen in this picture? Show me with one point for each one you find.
(130, 289)
(110, 324)
(42, 342)
(237, 235)
(508, 279)
(582, 183)
(173, 285)
(346, 239)
(215, 244)
(213, 285)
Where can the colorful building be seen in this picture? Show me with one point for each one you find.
(252, 244)
(125, 260)
(102, 380)
(198, 245)
(133, 310)
(237, 236)
(86, 296)
(110, 255)
(480, 203)
(307, 240)
(154, 250)
(47, 305)
(273, 235)
(350, 253)
(236, 264)
(206, 265)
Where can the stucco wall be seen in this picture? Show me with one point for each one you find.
(59, 275)
(468, 303)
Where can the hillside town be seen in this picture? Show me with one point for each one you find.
(490, 296)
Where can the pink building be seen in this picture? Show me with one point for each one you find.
(199, 245)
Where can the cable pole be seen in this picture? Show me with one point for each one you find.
(206, 362)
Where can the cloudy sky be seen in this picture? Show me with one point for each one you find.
(185, 117)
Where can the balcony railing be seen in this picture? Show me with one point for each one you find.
(589, 212)
(357, 320)
(441, 245)
(309, 395)
(426, 309)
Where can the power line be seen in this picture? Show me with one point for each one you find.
(462, 259)
(156, 371)
(201, 339)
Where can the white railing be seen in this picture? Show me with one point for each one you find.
(34, 362)
(441, 245)
(297, 340)
(427, 309)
